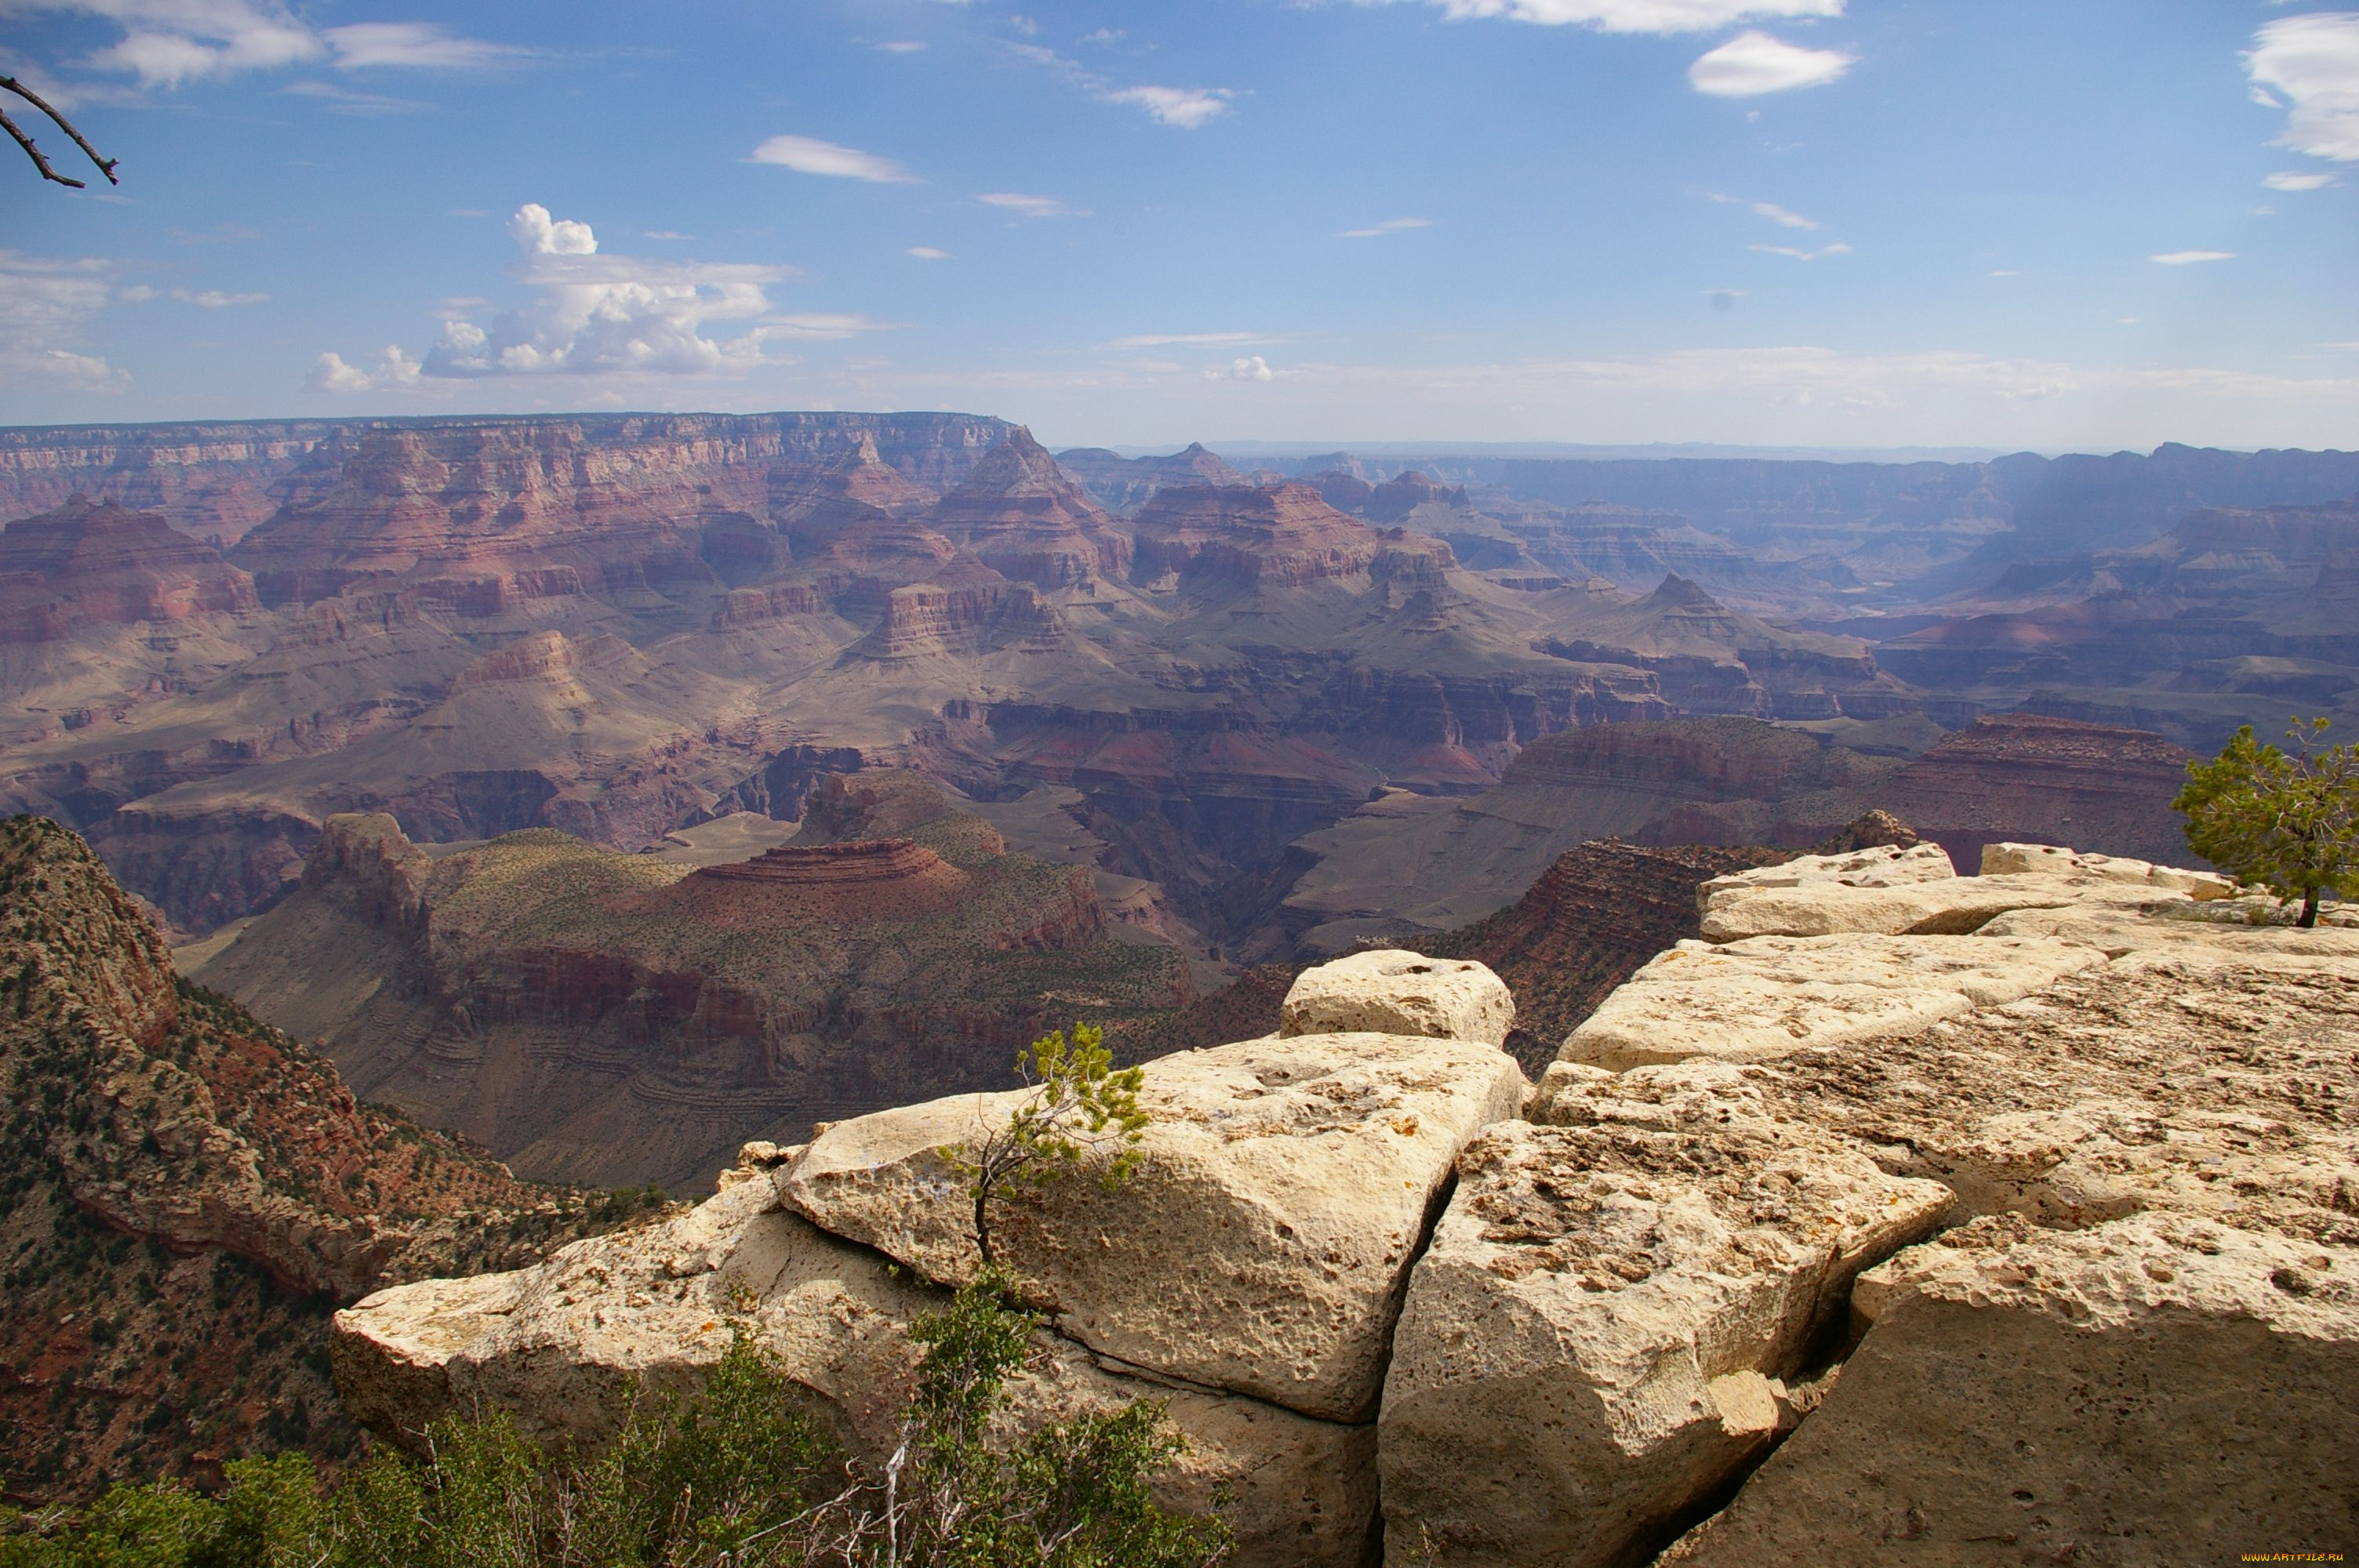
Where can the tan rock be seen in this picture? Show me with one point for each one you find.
(2153, 1391)
(1262, 1246)
(1883, 867)
(560, 1345)
(1599, 1333)
(2051, 860)
(1394, 992)
(1763, 998)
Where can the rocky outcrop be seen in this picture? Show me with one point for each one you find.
(1861, 1243)
(1284, 535)
(1122, 485)
(184, 1184)
(95, 564)
(1023, 516)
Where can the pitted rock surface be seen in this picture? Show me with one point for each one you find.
(1398, 992)
(1764, 998)
(1262, 1245)
(1600, 1332)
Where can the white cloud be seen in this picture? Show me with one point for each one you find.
(168, 42)
(344, 101)
(413, 46)
(1753, 63)
(1781, 217)
(2314, 63)
(1103, 35)
(44, 308)
(215, 299)
(1185, 107)
(809, 154)
(1837, 249)
(1252, 367)
(927, 252)
(1162, 340)
(597, 315)
(394, 369)
(1025, 206)
(1639, 15)
(1389, 226)
(2007, 271)
(2188, 259)
(901, 46)
(2298, 181)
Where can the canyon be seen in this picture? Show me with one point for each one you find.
(354, 708)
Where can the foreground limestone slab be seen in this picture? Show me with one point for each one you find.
(2054, 859)
(1760, 999)
(561, 1345)
(1394, 992)
(1261, 1248)
(2156, 1390)
(1598, 1334)
(1883, 867)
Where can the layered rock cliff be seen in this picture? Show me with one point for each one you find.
(614, 1018)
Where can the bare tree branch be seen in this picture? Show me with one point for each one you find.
(105, 165)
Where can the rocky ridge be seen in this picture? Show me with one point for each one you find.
(1898, 1279)
(184, 1192)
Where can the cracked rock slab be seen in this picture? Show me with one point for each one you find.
(1398, 993)
(1764, 998)
(2154, 1390)
(560, 1345)
(1600, 1330)
(1262, 1245)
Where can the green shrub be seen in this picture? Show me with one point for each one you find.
(732, 1476)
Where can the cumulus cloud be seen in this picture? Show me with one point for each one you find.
(1389, 226)
(394, 369)
(809, 154)
(1250, 367)
(2312, 64)
(1751, 64)
(2298, 181)
(2188, 259)
(166, 43)
(596, 314)
(1185, 107)
(45, 307)
(1025, 206)
(1639, 15)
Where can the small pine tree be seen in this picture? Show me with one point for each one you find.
(2287, 820)
(1079, 1105)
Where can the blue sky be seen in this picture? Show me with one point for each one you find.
(1856, 222)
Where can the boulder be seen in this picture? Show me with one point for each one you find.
(1600, 1332)
(562, 1345)
(1390, 992)
(2155, 1390)
(1765, 996)
(1950, 908)
(1261, 1246)
(2054, 859)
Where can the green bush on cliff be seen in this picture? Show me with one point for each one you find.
(732, 1476)
(2287, 820)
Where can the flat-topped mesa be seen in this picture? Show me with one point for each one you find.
(2022, 775)
(94, 563)
(865, 879)
(1025, 517)
(1282, 535)
(1404, 493)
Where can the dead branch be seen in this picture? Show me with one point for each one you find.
(105, 165)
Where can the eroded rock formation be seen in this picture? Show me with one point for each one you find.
(1858, 1244)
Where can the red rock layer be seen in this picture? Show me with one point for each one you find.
(1023, 516)
(91, 563)
(1397, 498)
(1283, 535)
(865, 879)
(2024, 776)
